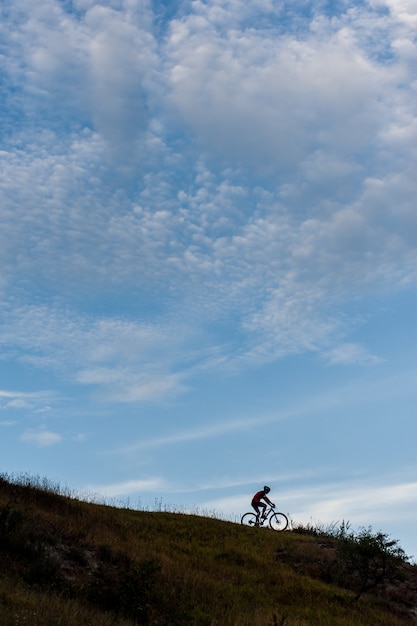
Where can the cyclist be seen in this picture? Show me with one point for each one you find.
(257, 504)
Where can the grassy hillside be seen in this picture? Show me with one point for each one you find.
(72, 563)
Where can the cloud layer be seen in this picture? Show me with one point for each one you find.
(232, 175)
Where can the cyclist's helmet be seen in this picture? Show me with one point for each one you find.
(266, 489)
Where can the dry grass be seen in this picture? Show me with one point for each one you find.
(75, 563)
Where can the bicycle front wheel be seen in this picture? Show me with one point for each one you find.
(248, 519)
(278, 521)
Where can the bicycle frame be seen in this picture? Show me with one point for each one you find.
(265, 516)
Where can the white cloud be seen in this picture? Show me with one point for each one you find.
(41, 438)
(130, 361)
(205, 432)
(361, 503)
(8, 394)
(123, 385)
(121, 58)
(404, 10)
(18, 400)
(264, 97)
(351, 354)
(95, 66)
(80, 437)
(18, 403)
(127, 487)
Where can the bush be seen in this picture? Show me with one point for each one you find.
(360, 561)
(369, 560)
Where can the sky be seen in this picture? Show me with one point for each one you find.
(208, 254)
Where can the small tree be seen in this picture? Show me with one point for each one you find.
(369, 560)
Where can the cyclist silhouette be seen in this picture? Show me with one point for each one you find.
(257, 503)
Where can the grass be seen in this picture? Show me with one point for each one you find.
(77, 563)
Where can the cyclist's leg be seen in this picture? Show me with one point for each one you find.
(256, 505)
(260, 508)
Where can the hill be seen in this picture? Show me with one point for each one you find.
(69, 562)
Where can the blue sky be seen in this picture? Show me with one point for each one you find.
(208, 254)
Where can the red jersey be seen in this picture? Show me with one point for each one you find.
(260, 495)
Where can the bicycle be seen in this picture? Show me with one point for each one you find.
(277, 521)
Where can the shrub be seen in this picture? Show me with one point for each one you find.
(369, 560)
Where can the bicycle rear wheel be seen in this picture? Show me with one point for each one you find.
(278, 521)
(248, 519)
